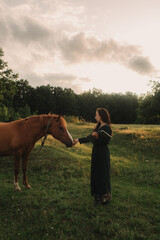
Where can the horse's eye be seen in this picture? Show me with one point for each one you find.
(61, 128)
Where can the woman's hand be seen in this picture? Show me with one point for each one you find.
(75, 141)
(95, 135)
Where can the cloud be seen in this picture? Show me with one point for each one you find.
(29, 30)
(141, 65)
(37, 21)
(23, 29)
(81, 47)
(15, 2)
(57, 79)
(40, 37)
(85, 79)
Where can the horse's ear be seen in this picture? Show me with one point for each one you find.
(58, 118)
(50, 113)
(61, 115)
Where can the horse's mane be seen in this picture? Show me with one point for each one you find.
(31, 119)
(28, 119)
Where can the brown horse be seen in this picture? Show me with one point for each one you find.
(18, 138)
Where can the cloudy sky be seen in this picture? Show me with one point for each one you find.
(111, 45)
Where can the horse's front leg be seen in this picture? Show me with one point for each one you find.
(17, 158)
(24, 169)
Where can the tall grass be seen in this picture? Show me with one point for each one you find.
(74, 119)
(60, 205)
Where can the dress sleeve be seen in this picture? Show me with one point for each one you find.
(104, 136)
(87, 139)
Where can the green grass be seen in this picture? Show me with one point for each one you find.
(60, 205)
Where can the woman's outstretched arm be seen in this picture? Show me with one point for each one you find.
(86, 139)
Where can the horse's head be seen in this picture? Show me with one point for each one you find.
(58, 129)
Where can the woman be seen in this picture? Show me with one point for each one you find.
(100, 164)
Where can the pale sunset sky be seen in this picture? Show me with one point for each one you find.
(112, 45)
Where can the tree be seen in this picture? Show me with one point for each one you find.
(24, 95)
(88, 102)
(66, 101)
(149, 106)
(7, 88)
(7, 82)
(44, 99)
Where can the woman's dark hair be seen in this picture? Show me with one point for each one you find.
(105, 116)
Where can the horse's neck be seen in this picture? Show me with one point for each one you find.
(42, 125)
(36, 128)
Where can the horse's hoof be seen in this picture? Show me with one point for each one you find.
(27, 186)
(17, 187)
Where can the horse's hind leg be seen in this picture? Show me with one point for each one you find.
(24, 169)
(17, 159)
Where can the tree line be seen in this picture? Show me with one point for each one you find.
(18, 99)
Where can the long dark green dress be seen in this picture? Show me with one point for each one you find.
(100, 163)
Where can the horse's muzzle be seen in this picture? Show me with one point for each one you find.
(69, 144)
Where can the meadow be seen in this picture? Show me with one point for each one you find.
(60, 207)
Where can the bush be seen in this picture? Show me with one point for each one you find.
(74, 119)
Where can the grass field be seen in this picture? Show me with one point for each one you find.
(60, 205)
